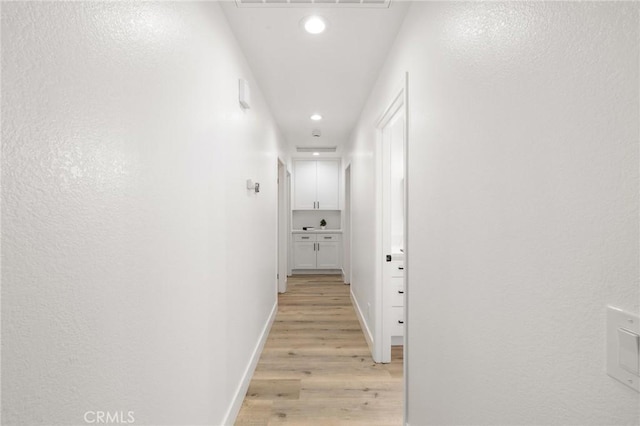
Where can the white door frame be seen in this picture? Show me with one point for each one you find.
(382, 345)
(289, 238)
(346, 269)
(282, 228)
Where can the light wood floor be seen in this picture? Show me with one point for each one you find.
(316, 368)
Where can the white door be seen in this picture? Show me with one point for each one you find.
(304, 185)
(304, 255)
(328, 254)
(328, 176)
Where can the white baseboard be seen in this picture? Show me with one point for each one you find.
(397, 340)
(344, 277)
(363, 323)
(317, 271)
(238, 398)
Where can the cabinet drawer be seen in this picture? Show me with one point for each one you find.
(329, 237)
(397, 292)
(397, 321)
(304, 237)
(397, 268)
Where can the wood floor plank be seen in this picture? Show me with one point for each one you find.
(255, 412)
(316, 368)
(359, 389)
(337, 412)
(274, 389)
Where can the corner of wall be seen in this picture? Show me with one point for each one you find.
(363, 324)
(238, 397)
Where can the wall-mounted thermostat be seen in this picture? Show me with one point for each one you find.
(254, 186)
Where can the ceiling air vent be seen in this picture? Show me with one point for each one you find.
(316, 148)
(314, 3)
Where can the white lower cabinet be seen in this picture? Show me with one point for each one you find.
(328, 255)
(304, 255)
(395, 295)
(397, 321)
(317, 251)
(397, 291)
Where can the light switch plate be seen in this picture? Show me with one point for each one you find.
(628, 350)
(621, 327)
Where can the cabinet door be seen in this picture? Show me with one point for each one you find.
(304, 255)
(328, 178)
(328, 255)
(304, 185)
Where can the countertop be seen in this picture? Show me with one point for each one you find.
(317, 231)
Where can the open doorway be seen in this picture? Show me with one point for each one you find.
(391, 288)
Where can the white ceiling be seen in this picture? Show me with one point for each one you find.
(331, 73)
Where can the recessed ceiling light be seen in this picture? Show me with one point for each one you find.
(314, 24)
(316, 117)
(316, 153)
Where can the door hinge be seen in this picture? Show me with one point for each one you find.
(278, 276)
(388, 258)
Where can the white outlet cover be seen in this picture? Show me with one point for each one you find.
(630, 323)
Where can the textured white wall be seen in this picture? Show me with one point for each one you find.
(523, 207)
(137, 270)
(363, 219)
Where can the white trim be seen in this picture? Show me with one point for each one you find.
(392, 109)
(363, 324)
(405, 358)
(282, 237)
(378, 303)
(238, 398)
(347, 229)
(289, 219)
(316, 271)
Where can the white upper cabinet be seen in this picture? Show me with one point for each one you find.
(328, 178)
(304, 179)
(316, 185)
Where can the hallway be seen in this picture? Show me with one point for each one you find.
(165, 165)
(316, 368)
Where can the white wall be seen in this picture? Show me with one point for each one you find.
(363, 220)
(124, 207)
(302, 218)
(523, 207)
